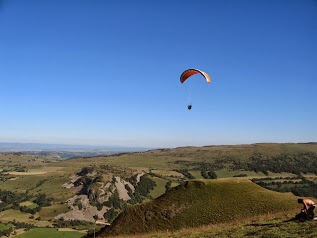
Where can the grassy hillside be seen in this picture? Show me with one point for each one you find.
(167, 159)
(267, 226)
(201, 202)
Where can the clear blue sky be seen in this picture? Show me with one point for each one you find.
(107, 72)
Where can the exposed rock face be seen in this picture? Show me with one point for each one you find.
(85, 213)
(90, 188)
(120, 185)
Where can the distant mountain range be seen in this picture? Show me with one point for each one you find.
(4, 146)
(67, 151)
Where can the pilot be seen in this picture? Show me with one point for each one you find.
(309, 207)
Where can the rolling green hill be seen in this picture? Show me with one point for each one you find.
(201, 202)
(267, 226)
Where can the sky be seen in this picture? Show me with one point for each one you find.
(107, 72)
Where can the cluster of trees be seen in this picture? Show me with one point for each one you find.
(86, 170)
(17, 168)
(39, 183)
(19, 225)
(4, 177)
(26, 209)
(278, 185)
(142, 188)
(8, 198)
(302, 187)
(134, 180)
(42, 200)
(115, 201)
(303, 162)
(206, 168)
(14, 225)
(111, 214)
(12, 200)
(168, 186)
(207, 172)
(270, 179)
(6, 231)
(197, 165)
(308, 190)
(240, 175)
(185, 172)
(297, 163)
(61, 223)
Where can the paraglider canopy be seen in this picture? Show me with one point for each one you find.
(189, 72)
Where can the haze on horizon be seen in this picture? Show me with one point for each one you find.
(107, 72)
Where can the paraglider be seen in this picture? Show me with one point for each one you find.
(190, 72)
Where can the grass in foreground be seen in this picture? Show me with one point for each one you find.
(50, 233)
(267, 226)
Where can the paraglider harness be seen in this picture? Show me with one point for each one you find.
(189, 106)
(303, 216)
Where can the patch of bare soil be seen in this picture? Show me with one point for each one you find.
(86, 213)
(123, 193)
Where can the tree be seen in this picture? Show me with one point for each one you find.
(168, 186)
(212, 175)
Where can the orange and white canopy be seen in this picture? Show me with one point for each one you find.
(189, 72)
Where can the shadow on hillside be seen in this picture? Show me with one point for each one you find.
(273, 225)
(263, 224)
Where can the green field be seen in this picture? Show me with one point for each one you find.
(5, 226)
(11, 215)
(50, 233)
(28, 204)
(196, 174)
(51, 211)
(160, 187)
